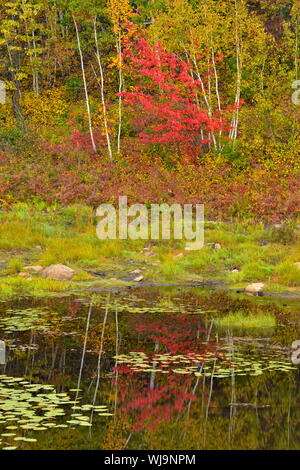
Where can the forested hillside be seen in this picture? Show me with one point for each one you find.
(162, 100)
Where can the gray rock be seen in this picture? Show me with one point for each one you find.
(35, 269)
(136, 271)
(255, 287)
(59, 272)
(22, 274)
(147, 248)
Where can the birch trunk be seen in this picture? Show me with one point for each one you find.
(102, 92)
(85, 86)
(235, 121)
(211, 134)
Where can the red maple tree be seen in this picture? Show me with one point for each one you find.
(168, 92)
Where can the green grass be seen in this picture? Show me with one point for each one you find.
(68, 236)
(253, 271)
(288, 273)
(240, 320)
(38, 287)
(15, 265)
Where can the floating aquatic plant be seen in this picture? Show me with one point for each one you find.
(27, 319)
(37, 407)
(221, 365)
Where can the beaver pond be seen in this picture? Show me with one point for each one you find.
(148, 368)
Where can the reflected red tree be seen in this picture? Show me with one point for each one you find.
(164, 395)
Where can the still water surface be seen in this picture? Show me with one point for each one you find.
(147, 369)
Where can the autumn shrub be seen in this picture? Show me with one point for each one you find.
(35, 170)
(50, 108)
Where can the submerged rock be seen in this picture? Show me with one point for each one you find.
(58, 272)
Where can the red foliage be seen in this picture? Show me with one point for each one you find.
(76, 137)
(169, 394)
(168, 92)
(55, 176)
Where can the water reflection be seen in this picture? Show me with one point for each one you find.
(148, 370)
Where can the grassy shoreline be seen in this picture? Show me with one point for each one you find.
(236, 253)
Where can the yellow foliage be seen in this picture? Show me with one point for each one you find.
(7, 119)
(112, 119)
(119, 11)
(46, 109)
